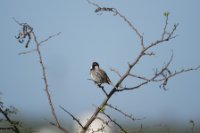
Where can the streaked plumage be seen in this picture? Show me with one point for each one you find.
(98, 75)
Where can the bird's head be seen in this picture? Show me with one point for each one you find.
(94, 65)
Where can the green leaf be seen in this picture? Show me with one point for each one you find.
(166, 14)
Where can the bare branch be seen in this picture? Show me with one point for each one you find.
(143, 52)
(13, 124)
(138, 77)
(27, 52)
(98, 110)
(157, 74)
(45, 80)
(130, 24)
(116, 12)
(166, 14)
(74, 118)
(116, 71)
(165, 78)
(122, 112)
(94, 4)
(115, 122)
(104, 91)
(28, 30)
(40, 43)
(46, 84)
(100, 86)
(149, 53)
(52, 36)
(175, 73)
(163, 40)
(21, 24)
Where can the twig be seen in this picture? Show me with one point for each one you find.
(147, 81)
(13, 127)
(94, 4)
(27, 52)
(46, 84)
(169, 37)
(165, 79)
(116, 12)
(138, 77)
(52, 36)
(96, 112)
(74, 118)
(116, 71)
(21, 24)
(130, 25)
(104, 91)
(29, 30)
(45, 79)
(166, 14)
(40, 43)
(122, 112)
(100, 86)
(113, 121)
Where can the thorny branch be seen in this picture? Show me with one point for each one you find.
(116, 12)
(13, 125)
(122, 112)
(40, 43)
(115, 122)
(162, 76)
(157, 74)
(74, 118)
(164, 73)
(166, 14)
(29, 30)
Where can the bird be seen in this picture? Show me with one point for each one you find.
(98, 75)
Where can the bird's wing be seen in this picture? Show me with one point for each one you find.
(104, 76)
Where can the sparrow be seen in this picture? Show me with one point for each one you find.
(98, 75)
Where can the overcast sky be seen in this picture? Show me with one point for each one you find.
(86, 37)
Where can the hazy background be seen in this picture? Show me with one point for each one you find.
(88, 37)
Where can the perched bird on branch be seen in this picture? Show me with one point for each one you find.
(98, 75)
